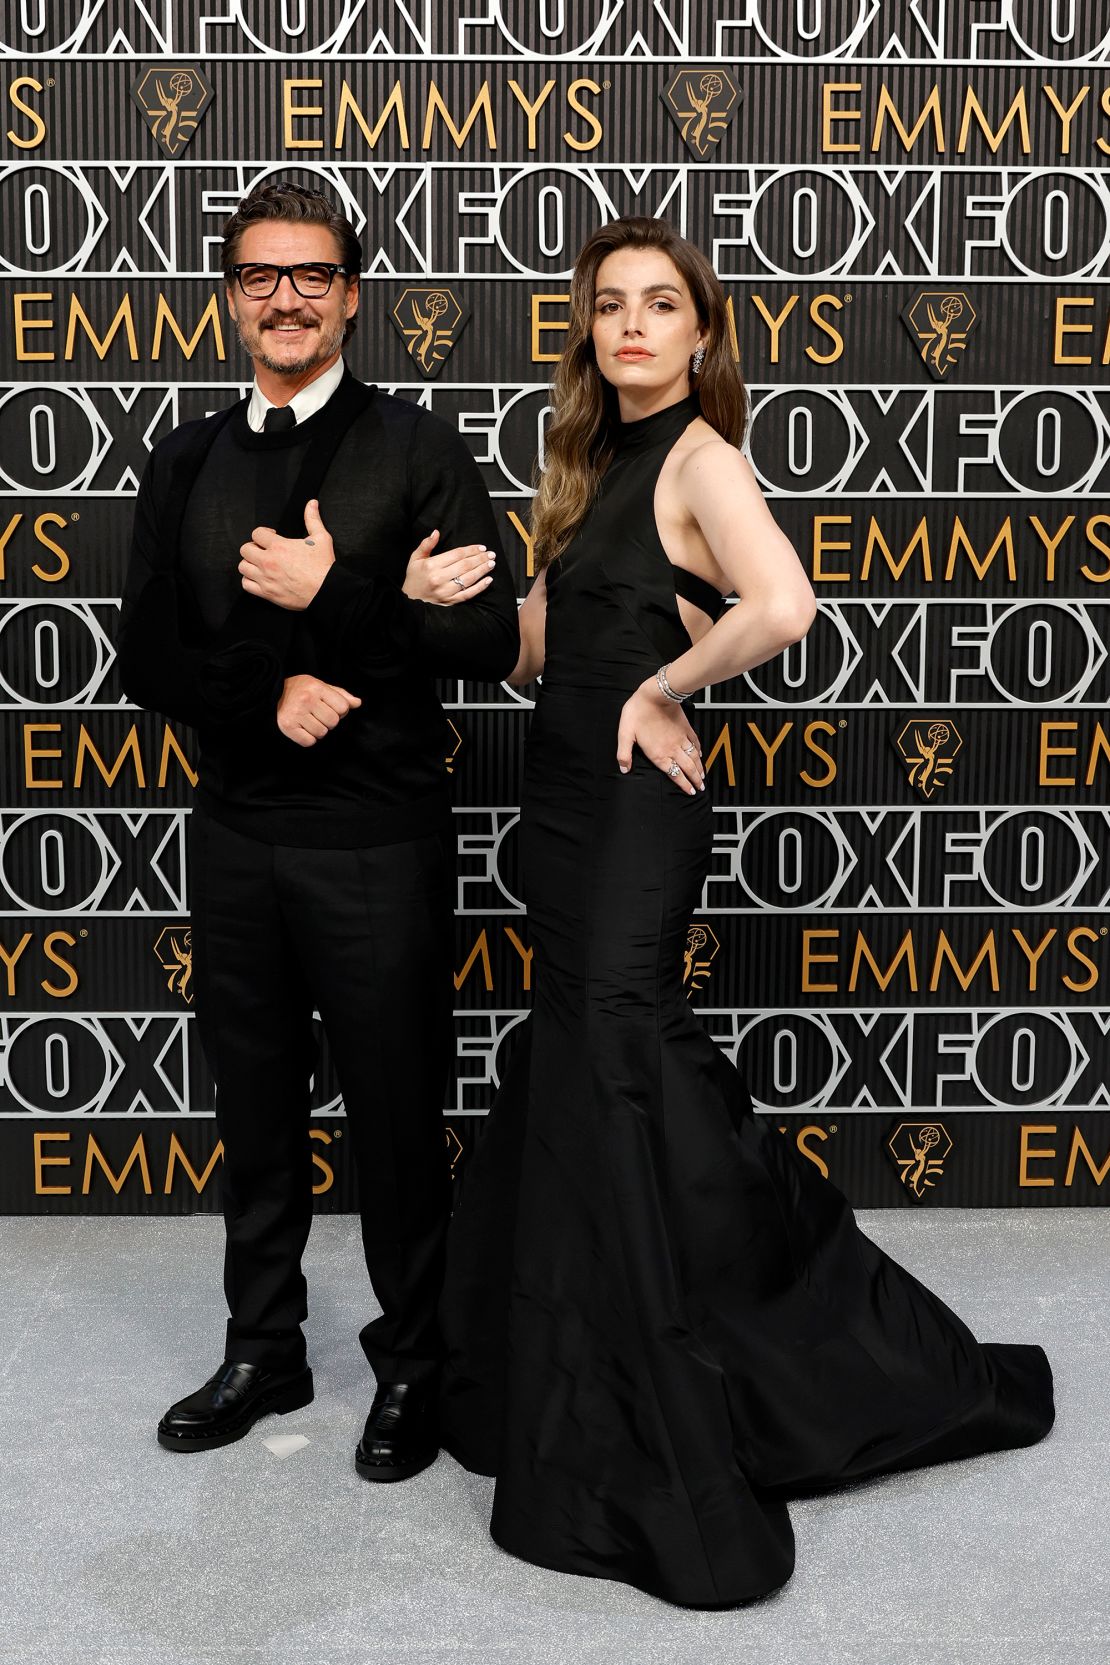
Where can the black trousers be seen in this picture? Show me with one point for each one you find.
(365, 937)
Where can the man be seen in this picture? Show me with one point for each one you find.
(270, 603)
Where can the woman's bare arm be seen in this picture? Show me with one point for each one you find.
(533, 615)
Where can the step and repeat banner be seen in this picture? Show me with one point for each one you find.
(903, 938)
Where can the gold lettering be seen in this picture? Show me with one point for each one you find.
(301, 112)
(1018, 111)
(21, 324)
(945, 952)
(48, 518)
(1029, 1153)
(960, 540)
(525, 537)
(810, 959)
(774, 324)
(588, 116)
(38, 125)
(1100, 745)
(394, 105)
(1104, 103)
(804, 1134)
(321, 1136)
(769, 750)
(531, 110)
(480, 951)
(1033, 954)
(723, 744)
(1066, 115)
(819, 726)
(829, 114)
(31, 752)
(85, 748)
(887, 107)
(904, 951)
(8, 530)
(1064, 327)
(124, 319)
(94, 1153)
(12, 960)
(164, 315)
(544, 326)
(1047, 751)
(829, 329)
(43, 1161)
(525, 954)
(1103, 548)
(63, 965)
(1051, 544)
(821, 544)
(1079, 1148)
(919, 537)
(481, 106)
(177, 1155)
(172, 747)
(1082, 933)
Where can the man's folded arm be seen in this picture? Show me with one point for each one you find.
(236, 678)
(373, 630)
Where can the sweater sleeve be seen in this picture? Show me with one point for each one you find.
(374, 630)
(236, 677)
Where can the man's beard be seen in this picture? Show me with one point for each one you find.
(327, 345)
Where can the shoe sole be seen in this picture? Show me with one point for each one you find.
(293, 1396)
(395, 1471)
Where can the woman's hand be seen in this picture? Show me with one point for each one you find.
(456, 575)
(660, 728)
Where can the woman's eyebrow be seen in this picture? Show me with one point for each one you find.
(651, 289)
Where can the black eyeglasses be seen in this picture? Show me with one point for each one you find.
(310, 279)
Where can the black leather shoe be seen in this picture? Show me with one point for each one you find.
(400, 1437)
(230, 1403)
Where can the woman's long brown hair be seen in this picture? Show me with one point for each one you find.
(578, 445)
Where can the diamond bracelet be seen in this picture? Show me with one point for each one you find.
(665, 688)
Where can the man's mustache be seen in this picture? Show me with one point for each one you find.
(303, 320)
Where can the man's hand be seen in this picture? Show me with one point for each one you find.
(309, 709)
(444, 579)
(288, 571)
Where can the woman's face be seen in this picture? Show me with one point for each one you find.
(645, 327)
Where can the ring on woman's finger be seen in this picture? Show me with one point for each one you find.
(690, 747)
(674, 771)
(460, 582)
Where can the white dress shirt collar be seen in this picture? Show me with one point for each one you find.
(303, 404)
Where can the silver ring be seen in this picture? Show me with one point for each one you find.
(674, 771)
(690, 748)
(457, 580)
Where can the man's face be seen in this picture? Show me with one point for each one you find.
(286, 333)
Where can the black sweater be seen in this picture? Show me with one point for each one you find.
(194, 646)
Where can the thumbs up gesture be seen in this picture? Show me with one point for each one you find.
(287, 571)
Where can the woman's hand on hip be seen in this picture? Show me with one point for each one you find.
(661, 730)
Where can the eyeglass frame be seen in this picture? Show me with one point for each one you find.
(333, 268)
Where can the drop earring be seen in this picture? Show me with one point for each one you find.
(698, 359)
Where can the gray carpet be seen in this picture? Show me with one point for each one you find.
(114, 1552)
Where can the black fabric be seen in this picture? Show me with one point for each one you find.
(195, 648)
(662, 1322)
(278, 419)
(365, 937)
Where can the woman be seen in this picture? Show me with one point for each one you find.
(661, 1320)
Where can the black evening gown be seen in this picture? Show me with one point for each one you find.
(661, 1321)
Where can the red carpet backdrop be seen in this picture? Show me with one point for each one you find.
(904, 935)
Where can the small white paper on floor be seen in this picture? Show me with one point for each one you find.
(284, 1445)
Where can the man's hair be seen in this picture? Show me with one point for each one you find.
(296, 205)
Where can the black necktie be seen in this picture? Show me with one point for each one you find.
(277, 421)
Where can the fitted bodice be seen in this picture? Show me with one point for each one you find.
(612, 613)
